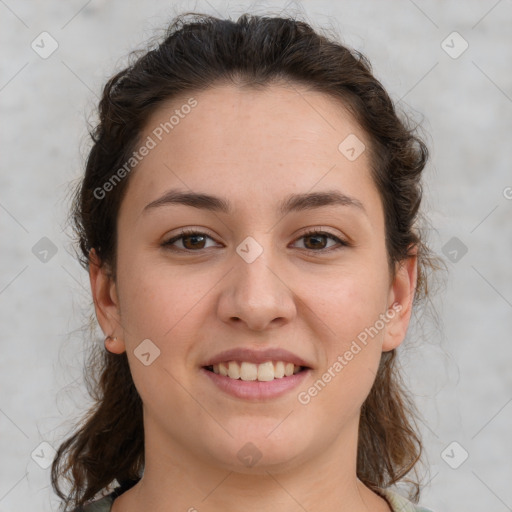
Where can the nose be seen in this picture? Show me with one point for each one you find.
(256, 294)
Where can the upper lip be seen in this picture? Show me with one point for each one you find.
(256, 356)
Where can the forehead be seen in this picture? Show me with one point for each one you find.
(278, 119)
(249, 144)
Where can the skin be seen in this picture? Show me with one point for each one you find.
(253, 148)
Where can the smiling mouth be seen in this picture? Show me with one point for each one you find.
(263, 372)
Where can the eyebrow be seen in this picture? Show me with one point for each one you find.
(292, 203)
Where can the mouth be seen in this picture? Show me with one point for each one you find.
(255, 382)
(262, 372)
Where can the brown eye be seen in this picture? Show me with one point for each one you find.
(317, 241)
(190, 241)
(193, 241)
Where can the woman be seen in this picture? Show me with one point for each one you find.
(248, 218)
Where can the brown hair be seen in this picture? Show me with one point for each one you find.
(254, 51)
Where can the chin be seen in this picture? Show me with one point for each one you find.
(259, 453)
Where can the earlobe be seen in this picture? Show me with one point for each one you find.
(106, 305)
(114, 345)
(401, 297)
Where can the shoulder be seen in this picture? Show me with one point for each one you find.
(399, 503)
(102, 505)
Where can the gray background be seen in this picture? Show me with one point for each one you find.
(458, 365)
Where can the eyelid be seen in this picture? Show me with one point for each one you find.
(323, 230)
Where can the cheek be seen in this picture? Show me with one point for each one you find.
(156, 297)
(351, 301)
(162, 305)
(352, 308)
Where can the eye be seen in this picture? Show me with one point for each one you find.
(316, 241)
(189, 239)
(195, 240)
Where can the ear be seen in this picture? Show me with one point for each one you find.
(401, 296)
(106, 303)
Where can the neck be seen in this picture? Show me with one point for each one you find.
(177, 480)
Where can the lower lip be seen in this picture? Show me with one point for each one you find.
(256, 390)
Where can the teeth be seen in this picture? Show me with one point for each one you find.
(223, 369)
(248, 371)
(263, 372)
(279, 370)
(233, 370)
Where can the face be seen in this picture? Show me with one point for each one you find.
(274, 271)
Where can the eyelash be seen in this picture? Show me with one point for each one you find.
(190, 232)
